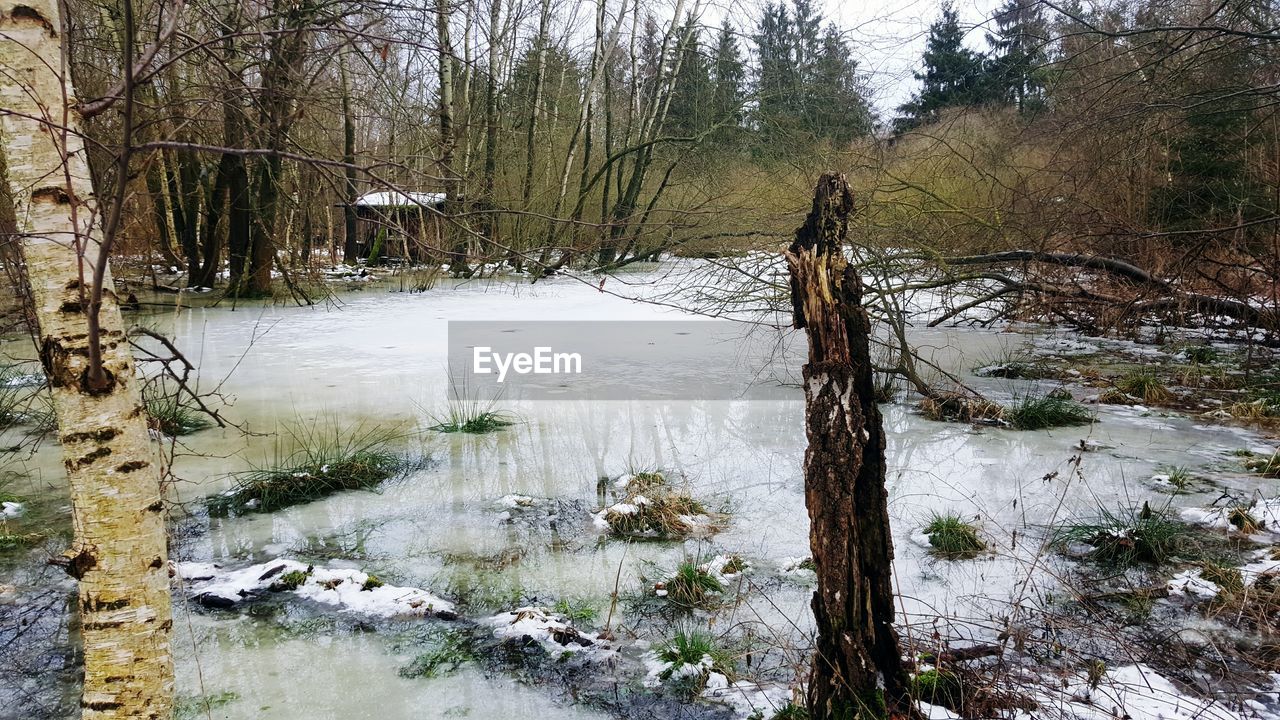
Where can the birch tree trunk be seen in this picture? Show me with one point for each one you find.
(448, 141)
(350, 224)
(857, 670)
(118, 554)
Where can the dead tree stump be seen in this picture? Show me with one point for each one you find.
(857, 670)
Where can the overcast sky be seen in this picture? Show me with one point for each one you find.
(886, 36)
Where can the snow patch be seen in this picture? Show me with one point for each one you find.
(211, 585)
(550, 630)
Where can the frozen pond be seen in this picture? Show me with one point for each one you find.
(379, 358)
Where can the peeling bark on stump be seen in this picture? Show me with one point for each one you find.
(857, 670)
(119, 555)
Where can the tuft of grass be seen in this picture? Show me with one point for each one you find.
(960, 407)
(291, 580)
(470, 415)
(1227, 578)
(472, 423)
(953, 538)
(166, 413)
(1261, 403)
(693, 587)
(576, 610)
(653, 509)
(199, 706)
(938, 687)
(371, 582)
(1180, 478)
(734, 565)
(694, 656)
(1244, 521)
(1144, 385)
(791, 711)
(885, 388)
(10, 542)
(1048, 411)
(1131, 536)
(647, 481)
(326, 459)
(1200, 354)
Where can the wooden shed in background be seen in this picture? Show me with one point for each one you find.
(400, 225)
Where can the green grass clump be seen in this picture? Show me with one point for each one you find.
(167, 413)
(691, 586)
(1180, 478)
(326, 460)
(1132, 535)
(1038, 413)
(938, 687)
(291, 580)
(1144, 385)
(11, 542)
(576, 610)
(953, 538)
(1200, 354)
(472, 416)
(371, 582)
(477, 424)
(791, 711)
(699, 650)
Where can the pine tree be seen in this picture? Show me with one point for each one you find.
(838, 110)
(806, 47)
(952, 74)
(691, 99)
(776, 83)
(729, 76)
(1018, 54)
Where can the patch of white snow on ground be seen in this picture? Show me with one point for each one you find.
(550, 630)
(745, 697)
(342, 587)
(1266, 511)
(1189, 583)
(1132, 691)
(716, 567)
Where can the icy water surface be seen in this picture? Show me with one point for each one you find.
(380, 357)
